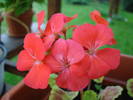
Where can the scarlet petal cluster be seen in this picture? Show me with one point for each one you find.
(76, 60)
(68, 59)
(30, 59)
(56, 23)
(92, 37)
(96, 16)
(37, 46)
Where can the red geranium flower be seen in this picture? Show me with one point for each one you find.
(54, 26)
(74, 61)
(30, 59)
(92, 37)
(56, 23)
(49, 39)
(40, 19)
(68, 59)
(96, 16)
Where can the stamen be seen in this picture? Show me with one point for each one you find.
(92, 51)
(66, 63)
(37, 62)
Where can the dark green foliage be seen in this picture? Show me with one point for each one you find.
(90, 95)
(129, 87)
(128, 5)
(18, 6)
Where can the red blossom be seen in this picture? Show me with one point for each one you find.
(96, 16)
(47, 40)
(30, 59)
(92, 37)
(56, 23)
(68, 59)
(75, 60)
(40, 19)
(53, 27)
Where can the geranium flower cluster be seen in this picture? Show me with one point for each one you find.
(76, 60)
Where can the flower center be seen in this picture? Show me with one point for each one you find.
(66, 62)
(37, 62)
(91, 51)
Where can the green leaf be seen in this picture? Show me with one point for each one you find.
(110, 93)
(98, 87)
(90, 95)
(17, 6)
(99, 80)
(22, 6)
(129, 87)
(1, 5)
(59, 94)
(21, 10)
(52, 81)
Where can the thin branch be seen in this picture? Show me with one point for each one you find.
(19, 21)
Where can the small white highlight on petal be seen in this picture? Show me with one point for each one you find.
(37, 62)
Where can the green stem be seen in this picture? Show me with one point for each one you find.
(65, 37)
(89, 86)
(81, 94)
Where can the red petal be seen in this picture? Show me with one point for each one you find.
(38, 77)
(95, 12)
(106, 36)
(81, 68)
(68, 19)
(104, 61)
(71, 81)
(96, 16)
(75, 52)
(25, 61)
(48, 41)
(110, 56)
(40, 19)
(98, 68)
(59, 50)
(113, 41)
(84, 34)
(53, 64)
(48, 30)
(62, 79)
(76, 77)
(91, 36)
(55, 24)
(34, 45)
